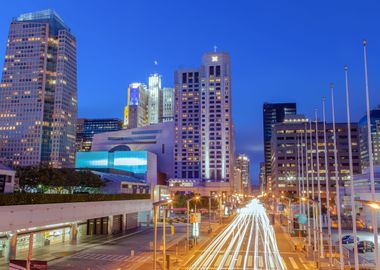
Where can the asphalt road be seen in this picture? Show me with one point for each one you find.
(249, 242)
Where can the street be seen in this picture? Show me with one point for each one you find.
(248, 242)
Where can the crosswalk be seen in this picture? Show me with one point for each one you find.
(258, 261)
(108, 257)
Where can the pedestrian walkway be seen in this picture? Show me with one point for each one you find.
(107, 257)
(258, 262)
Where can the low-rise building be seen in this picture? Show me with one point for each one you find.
(7, 179)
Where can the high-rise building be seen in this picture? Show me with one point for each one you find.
(136, 110)
(38, 92)
(363, 135)
(273, 113)
(167, 104)
(262, 177)
(87, 128)
(242, 162)
(289, 155)
(187, 120)
(155, 99)
(204, 139)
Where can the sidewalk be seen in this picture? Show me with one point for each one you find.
(57, 251)
(287, 244)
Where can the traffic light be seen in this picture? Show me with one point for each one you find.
(172, 229)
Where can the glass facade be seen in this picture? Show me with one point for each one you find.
(87, 128)
(38, 92)
(130, 161)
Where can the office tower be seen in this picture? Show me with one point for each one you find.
(87, 128)
(204, 139)
(187, 120)
(273, 113)
(262, 177)
(155, 99)
(363, 135)
(167, 104)
(136, 110)
(242, 162)
(38, 92)
(286, 174)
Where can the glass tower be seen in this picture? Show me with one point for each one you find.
(38, 92)
(273, 113)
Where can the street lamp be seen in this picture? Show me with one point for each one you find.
(196, 198)
(156, 205)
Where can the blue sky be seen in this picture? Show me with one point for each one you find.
(281, 51)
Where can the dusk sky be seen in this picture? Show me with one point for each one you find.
(281, 51)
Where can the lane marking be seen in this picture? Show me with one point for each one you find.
(217, 263)
(250, 261)
(239, 260)
(293, 263)
(261, 261)
(228, 261)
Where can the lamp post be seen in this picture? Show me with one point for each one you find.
(188, 216)
(156, 206)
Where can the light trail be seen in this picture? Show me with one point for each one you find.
(249, 233)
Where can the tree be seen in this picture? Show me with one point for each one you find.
(44, 178)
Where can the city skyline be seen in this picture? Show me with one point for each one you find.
(316, 49)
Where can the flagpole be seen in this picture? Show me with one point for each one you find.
(327, 182)
(302, 175)
(312, 186)
(298, 175)
(370, 156)
(337, 197)
(319, 183)
(353, 210)
(307, 189)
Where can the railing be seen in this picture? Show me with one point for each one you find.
(39, 198)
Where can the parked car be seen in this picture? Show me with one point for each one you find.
(349, 239)
(365, 246)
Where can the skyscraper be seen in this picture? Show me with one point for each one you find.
(242, 162)
(38, 92)
(136, 110)
(155, 99)
(167, 104)
(273, 113)
(363, 136)
(187, 147)
(203, 124)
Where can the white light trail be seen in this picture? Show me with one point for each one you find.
(227, 249)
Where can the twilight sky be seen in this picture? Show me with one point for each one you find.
(281, 51)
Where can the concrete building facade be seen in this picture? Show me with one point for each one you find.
(203, 124)
(158, 139)
(289, 154)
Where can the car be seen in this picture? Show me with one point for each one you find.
(365, 246)
(349, 239)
